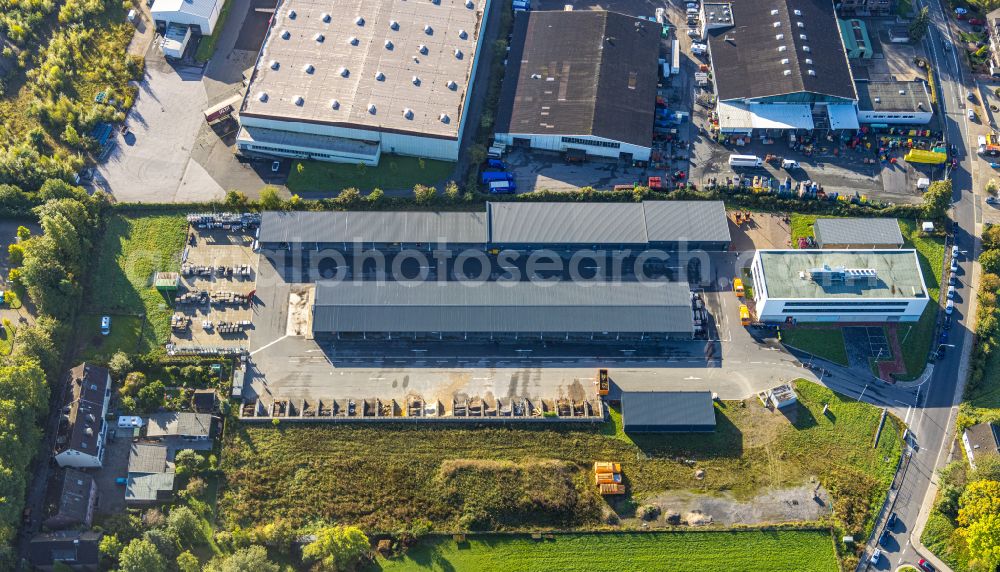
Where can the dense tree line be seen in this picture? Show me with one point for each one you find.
(51, 268)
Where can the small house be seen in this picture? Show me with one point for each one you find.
(150, 476)
(77, 498)
(70, 548)
(980, 440)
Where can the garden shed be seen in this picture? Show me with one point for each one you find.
(167, 281)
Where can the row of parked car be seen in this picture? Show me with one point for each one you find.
(497, 178)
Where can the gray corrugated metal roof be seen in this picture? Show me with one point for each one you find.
(147, 458)
(179, 423)
(858, 231)
(567, 223)
(667, 408)
(150, 487)
(381, 227)
(502, 307)
(692, 221)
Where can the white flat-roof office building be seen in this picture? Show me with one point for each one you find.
(838, 285)
(349, 81)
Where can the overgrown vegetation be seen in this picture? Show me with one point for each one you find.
(55, 60)
(437, 472)
(51, 267)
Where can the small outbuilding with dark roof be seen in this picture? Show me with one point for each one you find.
(583, 80)
(72, 548)
(77, 499)
(668, 411)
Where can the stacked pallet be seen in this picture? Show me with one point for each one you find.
(608, 476)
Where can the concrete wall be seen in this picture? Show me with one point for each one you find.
(772, 310)
(555, 143)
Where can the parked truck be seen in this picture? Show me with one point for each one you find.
(738, 287)
(505, 187)
(491, 176)
(745, 161)
(744, 315)
(607, 467)
(603, 386)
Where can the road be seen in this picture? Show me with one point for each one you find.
(937, 398)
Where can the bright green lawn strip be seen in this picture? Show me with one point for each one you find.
(206, 48)
(125, 336)
(392, 172)
(6, 339)
(130, 252)
(800, 551)
(919, 337)
(827, 343)
(284, 471)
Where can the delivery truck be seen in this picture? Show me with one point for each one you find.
(502, 187)
(745, 161)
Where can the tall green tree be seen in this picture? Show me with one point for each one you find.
(245, 559)
(919, 25)
(337, 547)
(141, 555)
(979, 517)
(937, 199)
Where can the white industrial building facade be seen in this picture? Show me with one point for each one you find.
(581, 81)
(838, 286)
(350, 82)
(179, 20)
(894, 103)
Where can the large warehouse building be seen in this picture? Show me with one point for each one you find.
(503, 310)
(779, 66)
(581, 80)
(667, 225)
(349, 81)
(838, 285)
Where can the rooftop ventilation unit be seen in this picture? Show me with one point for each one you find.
(319, 38)
(274, 64)
(359, 21)
(428, 30)
(469, 4)
(803, 37)
(388, 44)
(371, 108)
(787, 72)
(452, 85)
(797, 12)
(458, 53)
(308, 68)
(776, 24)
(806, 49)
(344, 72)
(408, 113)
(809, 61)
(878, 99)
(353, 41)
(299, 100)
(463, 34)
(800, 24)
(774, 12)
(262, 97)
(393, 25)
(828, 274)
(326, 18)
(285, 34)
(379, 76)
(334, 104)
(291, 14)
(444, 118)
(416, 80)
(784, 61)
(811, 72)
(782, 48)
(779, 36)
(422, 49)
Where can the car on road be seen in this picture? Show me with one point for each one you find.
(105, 325)
(947, 323)
(275, 166)
(691, 6)
(952, 280)
(949, 307)
(970, 96)
(943, 338)
(876, 556)
(693, 33)
(951, 292)
(961, 10)
(977, 22)
(971, 114)
(925, 565)
(955, 251)
(992, 200)
(954, 265)
(891, 523)
(884, 538)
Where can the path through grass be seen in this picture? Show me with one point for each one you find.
(794, 550)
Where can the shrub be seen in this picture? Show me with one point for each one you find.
(648, 512)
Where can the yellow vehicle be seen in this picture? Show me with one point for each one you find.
(744, 315)
(607, 467)
(608, 478)
(612, 489)
(603, 382)
(738, 287)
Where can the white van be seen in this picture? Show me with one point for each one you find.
(981, 141)
(745, 161)
(789, 164)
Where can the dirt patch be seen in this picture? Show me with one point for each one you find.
(299, 316)
(803, 503)
(761, 231)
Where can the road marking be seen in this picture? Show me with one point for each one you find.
(264, 347)
(691, 378)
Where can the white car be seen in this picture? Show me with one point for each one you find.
(692, 6)
(105, 325)
(954, 265)
(693, 32)
(275, 166)
(971, 114)
(876, 556)
(951, 292)
(696, 47)
(961, 11)
(949, 307)
(954, 251)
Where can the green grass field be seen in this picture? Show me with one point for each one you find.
(392, 172)
(916, 339)
(131, 251)
(306, 472)
(827, 343)
(799, 551)
(802, 225)
(207, 46)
